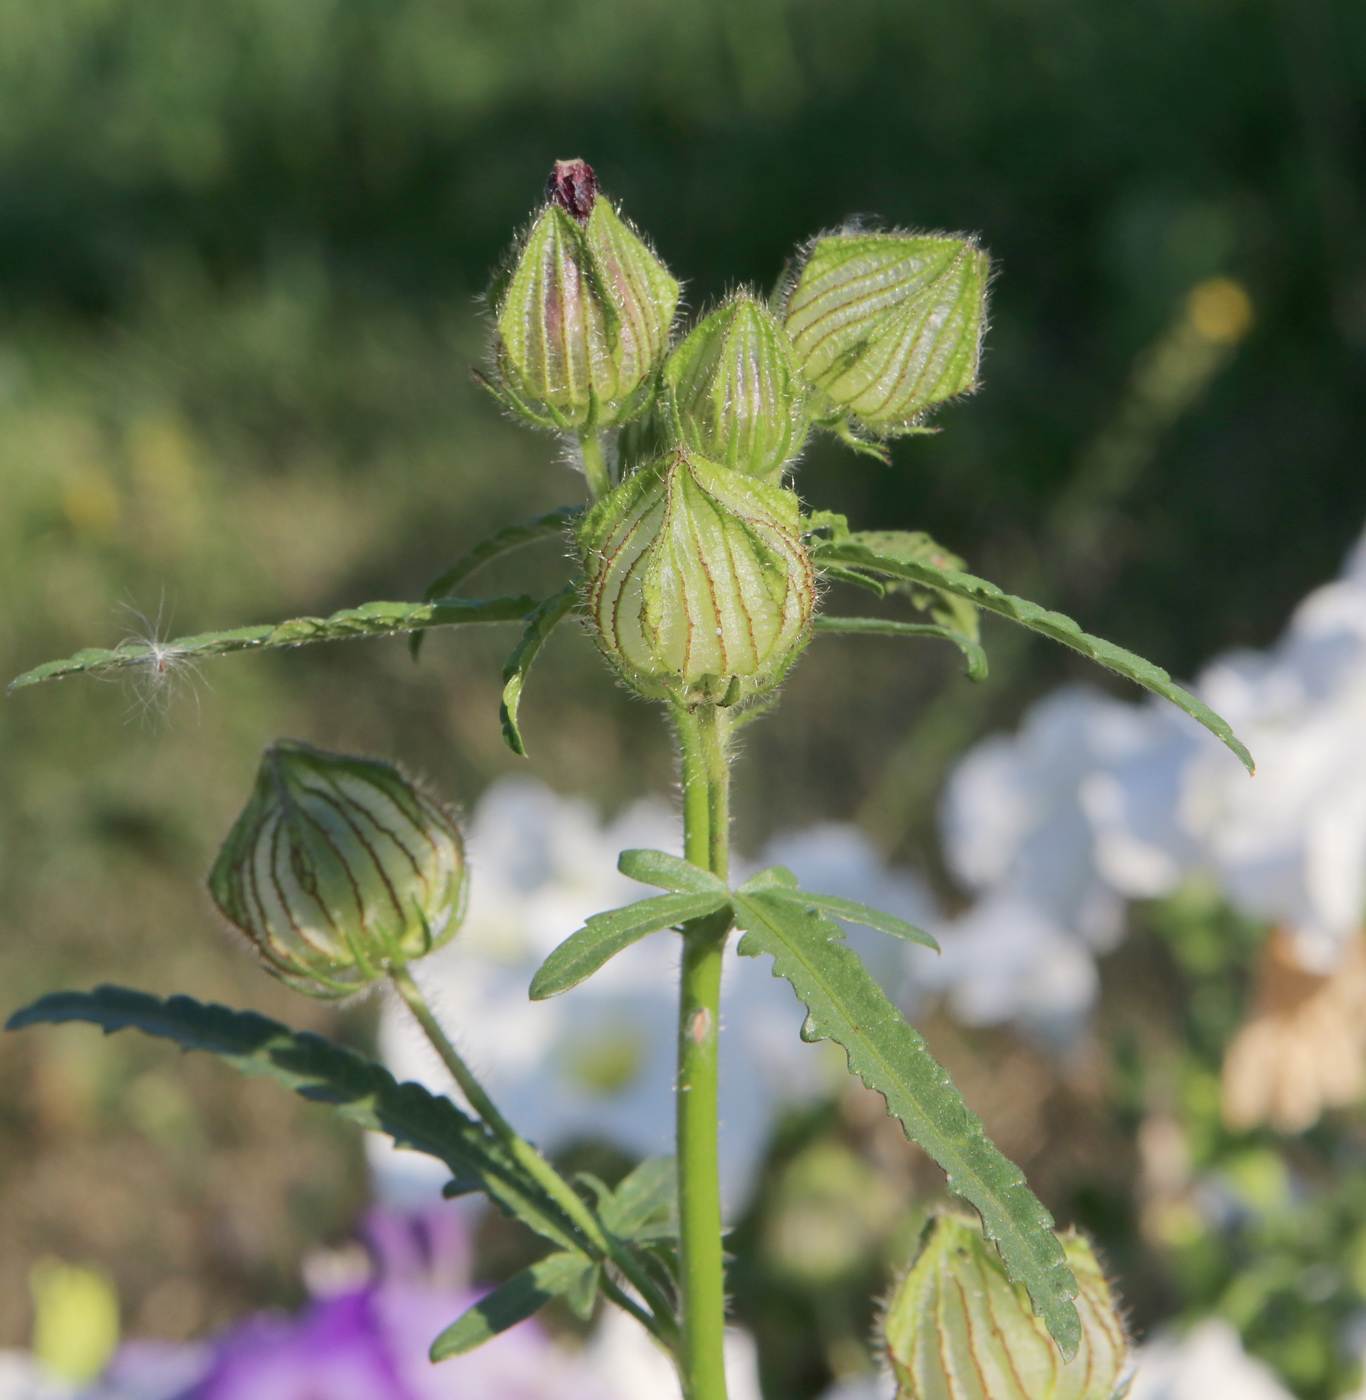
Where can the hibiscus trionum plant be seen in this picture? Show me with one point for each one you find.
(701, 578)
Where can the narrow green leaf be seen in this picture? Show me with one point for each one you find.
(644, 1206)
(836, 574)
(368, 620)
(539, 626)
(356, 1088)
(847, 1006)
(605, 935)
(509, 538)
(854, 550)
(950, 612)
(522, 1295)
(669, 873)
(886, 627)
(856, 913)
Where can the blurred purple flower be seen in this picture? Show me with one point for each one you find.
(369, 1341)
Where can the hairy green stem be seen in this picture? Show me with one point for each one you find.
(702, 735)
(659, 1320)
(595, 464)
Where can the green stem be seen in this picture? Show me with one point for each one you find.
(595, 464)
(702, 737)
(659, 1320)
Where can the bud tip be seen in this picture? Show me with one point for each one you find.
(573, 186)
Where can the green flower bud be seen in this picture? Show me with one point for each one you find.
(338, 870)
(884, 325)
(733, 393)
(583, 317)
(699, 585)
(956, 1326)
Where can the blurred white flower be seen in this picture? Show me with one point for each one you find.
(880, 1386)
(1208, 1363)
(599, 1061)
(1016, 828)
(1291, 846)
(1095, 800)
(23, 1378)
(622, 1352)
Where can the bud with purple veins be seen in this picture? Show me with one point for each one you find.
(733, 393)
(699, 588)
(583, 317)
(339, 870)
(956, 1325)
(885, 325)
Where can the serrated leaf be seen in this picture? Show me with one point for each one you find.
(509, 538)
(644, 1206)
(855, 550)
(847, 1005)
(358, 1090)
(558, 1275)
(973, 652)
(605, 935)
(539, 626)
(851, 910)
(668, 872)
(368, 620)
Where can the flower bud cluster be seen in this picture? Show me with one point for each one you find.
(956, 1325)
(339, 870)
(699, 585)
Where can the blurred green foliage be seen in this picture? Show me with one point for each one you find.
(239, 246)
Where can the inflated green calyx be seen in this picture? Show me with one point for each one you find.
(733, 393)
(885, 325)
(583, 318)
(699, 585)
(339, 870)
(956, 1327)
